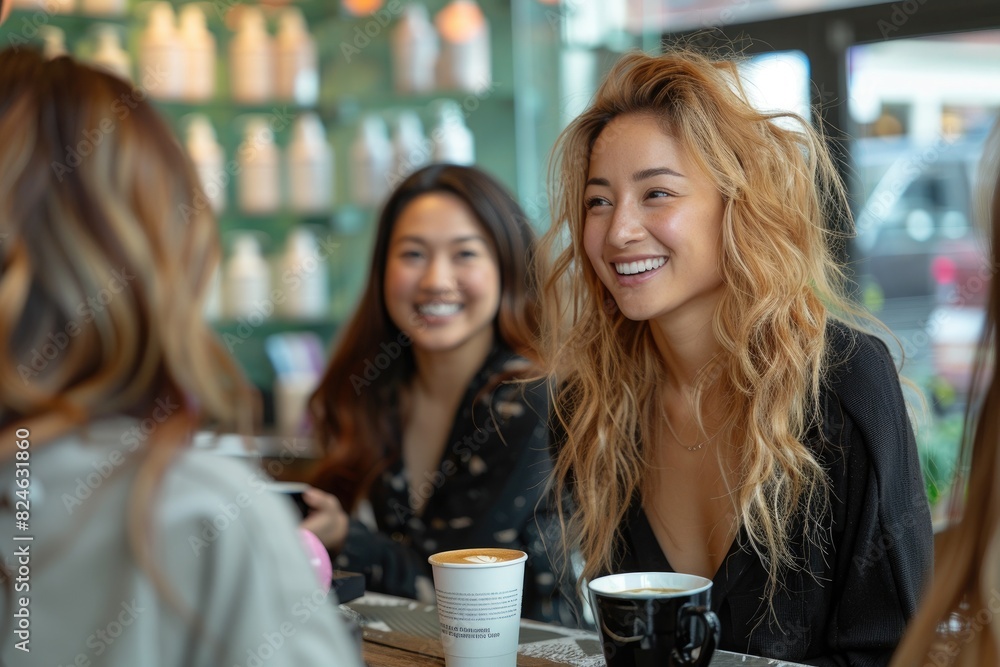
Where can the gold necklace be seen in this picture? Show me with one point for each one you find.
(693, 448)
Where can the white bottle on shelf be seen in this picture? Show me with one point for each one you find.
(109, 53)
(410, 148)
(161, 54)
(53, 42)
(371, 159)
(296, 72)
(304, 277)
(453, 141)
(54, 6)
(46, 6)
(251, 62)
(199, 52)
(310, 166)
(209, 160)
(258, 160)
(247, 280)
(414, 51)
(464, 62)
(103, 7)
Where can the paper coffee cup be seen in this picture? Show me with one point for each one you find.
(479, 605)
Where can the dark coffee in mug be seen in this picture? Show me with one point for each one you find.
(655, 619)
(653, 591)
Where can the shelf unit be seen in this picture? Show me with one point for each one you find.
(543, 70)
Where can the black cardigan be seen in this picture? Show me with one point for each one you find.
(866, 582)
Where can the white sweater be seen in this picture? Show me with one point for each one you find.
(227, 549)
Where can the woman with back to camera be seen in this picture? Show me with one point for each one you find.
(415, 406)
(957, 622)
(142, 552)
(715, 414)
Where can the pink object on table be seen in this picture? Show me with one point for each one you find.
(318, 557)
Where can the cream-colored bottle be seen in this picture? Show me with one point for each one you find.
(161, 55)
(251, 59)
(414, 51)
(259, 191)
(53, 41)
(199, 52)
(247, 280)
(109, 53)
(296, 62)
(304, 277)
(103, 7)
(464, 62)
(410, 148)
(453, 141)
(371, 160)
(310, 167)
(209, 160)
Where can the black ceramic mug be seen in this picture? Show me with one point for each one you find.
(655, 618)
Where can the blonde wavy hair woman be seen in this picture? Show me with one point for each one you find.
(141, 551)
(715, 413)
(956, 624)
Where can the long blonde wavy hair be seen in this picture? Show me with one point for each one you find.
(780, 189)
(106, 251)
(957, 621)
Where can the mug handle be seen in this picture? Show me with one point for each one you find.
(682, 655)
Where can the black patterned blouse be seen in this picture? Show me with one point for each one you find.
(483, 493)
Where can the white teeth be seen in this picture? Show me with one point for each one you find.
(631, 268)
(438, 309)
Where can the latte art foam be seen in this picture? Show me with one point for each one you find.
(481, 558)
(484, 556)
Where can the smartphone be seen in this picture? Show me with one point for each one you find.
(294, 491)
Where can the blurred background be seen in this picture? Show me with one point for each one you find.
(300, 116)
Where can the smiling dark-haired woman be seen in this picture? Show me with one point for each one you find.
(427, 429)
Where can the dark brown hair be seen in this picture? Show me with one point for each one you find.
(352, 408)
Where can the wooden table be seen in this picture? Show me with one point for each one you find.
(403, 633)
